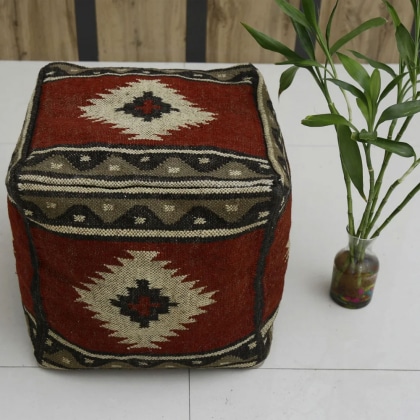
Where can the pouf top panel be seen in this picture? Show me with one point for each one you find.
(129, 106)
(153, 107)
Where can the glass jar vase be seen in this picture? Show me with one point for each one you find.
(354, 274)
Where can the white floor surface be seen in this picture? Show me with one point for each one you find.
(326, 362)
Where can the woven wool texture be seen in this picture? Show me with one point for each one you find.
(150, 212)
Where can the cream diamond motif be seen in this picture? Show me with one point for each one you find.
(146, 110)
(142, 302)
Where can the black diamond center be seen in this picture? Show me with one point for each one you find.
(147, 107)
(143, 304)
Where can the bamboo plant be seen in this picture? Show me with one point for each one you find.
(383, 126)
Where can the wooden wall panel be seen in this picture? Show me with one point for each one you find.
(155, 30)
(228, 41)
(141, 30)
(38, 30)
(377, 43)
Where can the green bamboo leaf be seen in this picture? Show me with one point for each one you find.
(375, 86)
(375, 64)
(323, 120)
(405, 44)
(369, 24)
(393, 13)
(271, 44)
(301, 62)
(286, 78)
(399, 148)
(309, 10)
(306, 41)
(405, 109)
(351, 158)
(363, 109)
(350, 88)
(355, 70)
(295, 14)
(330, 21)
(390, 86)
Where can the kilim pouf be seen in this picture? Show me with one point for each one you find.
(150, 212)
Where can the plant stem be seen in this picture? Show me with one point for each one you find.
(366, 214)
(322, 84)
(410, 195)
(350, 216)
(402, 91)
(387, 158)
(391, 189)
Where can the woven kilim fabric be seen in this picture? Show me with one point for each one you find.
(150, 212)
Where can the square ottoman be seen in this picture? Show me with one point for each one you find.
(150, 212)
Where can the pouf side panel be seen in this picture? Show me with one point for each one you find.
(277, 257)
(274, 143)
(77, 274)
(24, 267)
(276, 264)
